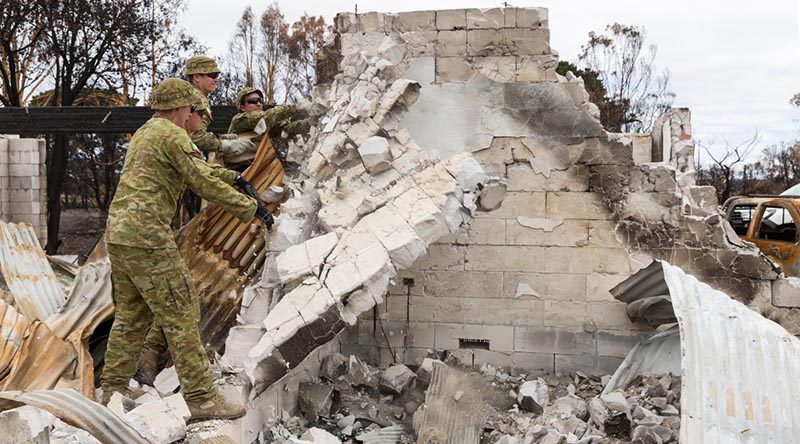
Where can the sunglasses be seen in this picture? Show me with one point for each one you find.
(213, 75)
(193, 109)
(256, 101)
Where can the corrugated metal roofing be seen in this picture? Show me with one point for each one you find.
(77, 410)
(740, 370)
(12, 329)
(452, 410)
(28, 273)
(386, 435)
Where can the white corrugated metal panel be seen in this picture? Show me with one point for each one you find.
(740, 370)
(452, 413)
(660, 354)
(386, 435)
(28, 273)
(77, 410)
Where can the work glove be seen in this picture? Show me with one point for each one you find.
(234, 147)
(263, 214)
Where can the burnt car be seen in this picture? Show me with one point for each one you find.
(769, 222)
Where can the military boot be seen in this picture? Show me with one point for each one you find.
(128, 392)
(215, 408)
(148, 366)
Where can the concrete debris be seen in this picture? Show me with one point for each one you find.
(375, 154)
(396, 379)
(333, 366)
(315, 400)
(532, 396)
(359, 374)
(316, 436)
(425, 369)
(162, 421)
(167, 381)
(16, 429)
(492, 195)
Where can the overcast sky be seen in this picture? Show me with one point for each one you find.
(734, 63)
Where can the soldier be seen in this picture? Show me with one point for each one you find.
(203, 72)
(151, 283)
(279, 119)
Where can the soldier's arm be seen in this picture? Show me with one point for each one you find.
(213, 186)
(275, 118)
(206, 141)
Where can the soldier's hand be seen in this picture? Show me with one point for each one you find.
(262, 213)
(235, 147)
(246, 187)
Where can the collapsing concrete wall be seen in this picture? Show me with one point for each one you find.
(526, 284)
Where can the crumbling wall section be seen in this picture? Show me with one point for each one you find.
(526, 284)
(22, 183)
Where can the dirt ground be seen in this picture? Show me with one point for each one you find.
(80, 230)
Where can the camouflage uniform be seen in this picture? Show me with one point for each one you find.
(279, 118)
(206, 141)
(151, 282)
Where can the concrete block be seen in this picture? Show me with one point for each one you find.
(786, 292)
(453, 70)
(494, 311)
(642, 148)
(492, 18)
(521, 177)
(425, 309)
(564, 314)
(650, 206)
(536, 68)
(442, 257)
(500, 337)
(483, 232)
(555, 286)
(420, 43)
(589, 364)
(23, 170)
(616, 345)
(485, 42)
(569, 205)
(418, 334)
(554, 340)
(451, 44)
(603, 233)
(451, 19)
(598, 286)
(501, 69)
(463, 284)
(418, 287)
(528, 204)
(504, 258)
(369, 42)
(531, 17)
(536, 363)
(608, 315)
(415, 21)
(526, 42)
(17, 195)
(567, 260)
(25, 183)
(568, 233)
(610, 260)
(375, 22)
(19, 209)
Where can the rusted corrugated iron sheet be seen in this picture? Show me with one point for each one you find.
(739, 369)
(452, 413)
(12, 329)
(28, 273)
(76, 410)
(224, 254)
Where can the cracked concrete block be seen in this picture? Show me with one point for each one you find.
(486, 42)
(375, 154)
(420, 43)
(483, 232)
(315, 400)
(532, 396)
(527, 42)
(536, 68)
(162, 421)
(17, 429)
(704, 196)
(451, 19)
(167, 381)
(397, 379)
(547, 232)
(240, 340)
(392, 49)
(642, 148)
(415, 21)
(422, 214)
(492, 18)
(255, 304)
(451, 44)
(497, 68)
(397, 236)
(454, 70)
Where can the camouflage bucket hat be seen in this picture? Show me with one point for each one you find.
(200, 65)
(245, 92)
(173, 93)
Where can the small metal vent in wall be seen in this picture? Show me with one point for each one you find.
(479, 344)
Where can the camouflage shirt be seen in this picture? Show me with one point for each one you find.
(161, 159)
(278, 120)
(206, 141)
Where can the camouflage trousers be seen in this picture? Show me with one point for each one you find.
(152, 287)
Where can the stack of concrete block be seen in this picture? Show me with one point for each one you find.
(504, 44)
(22, 176)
